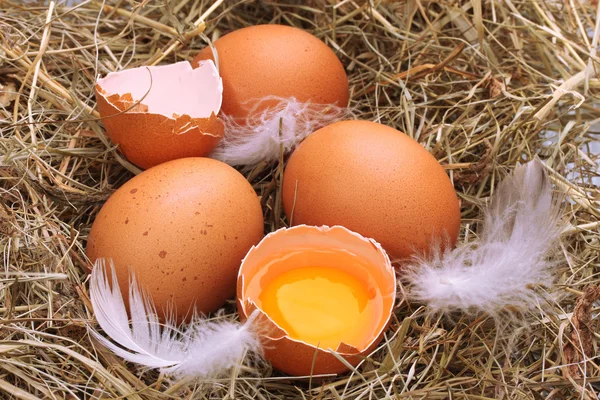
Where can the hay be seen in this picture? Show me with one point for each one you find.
(483, 85)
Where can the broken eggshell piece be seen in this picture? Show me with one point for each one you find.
(355, 271)
(158, 114)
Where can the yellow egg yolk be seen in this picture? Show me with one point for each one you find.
(321, 306)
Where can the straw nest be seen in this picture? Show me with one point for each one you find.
(483, 85)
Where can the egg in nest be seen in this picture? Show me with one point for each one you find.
(317, 290)
(373, 180)
(183, 228)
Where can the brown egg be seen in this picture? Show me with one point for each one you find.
(183, 228)
(373, 180)
(317, 290)
(276, 60)
(158, 114)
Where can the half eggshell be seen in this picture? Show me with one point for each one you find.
(162, 113)
(296, 357)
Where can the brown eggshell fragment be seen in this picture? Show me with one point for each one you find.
(177, 118)
(183, 228)
(264, 61)
(295, 357)
(374, 180)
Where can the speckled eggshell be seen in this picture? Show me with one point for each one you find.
(373, 180)
(183, 228)
(276, 60)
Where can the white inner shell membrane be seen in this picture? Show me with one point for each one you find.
(174, 89)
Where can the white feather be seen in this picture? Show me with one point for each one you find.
(513, 253)
(263, 135)
(203, 348)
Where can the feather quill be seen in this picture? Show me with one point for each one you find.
(202, 349)
(263, 134)
(496, 273)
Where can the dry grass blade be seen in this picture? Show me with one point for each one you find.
(483, 85)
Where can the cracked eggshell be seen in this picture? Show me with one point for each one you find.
(261, 61)
(177, 118)
(295, 357)
(183, 228)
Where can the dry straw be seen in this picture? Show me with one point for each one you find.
(483, 85)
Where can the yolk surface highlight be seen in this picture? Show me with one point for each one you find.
(321, 306)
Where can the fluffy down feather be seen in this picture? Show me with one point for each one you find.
(265, 134)
(201, 349)
(513, 253)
